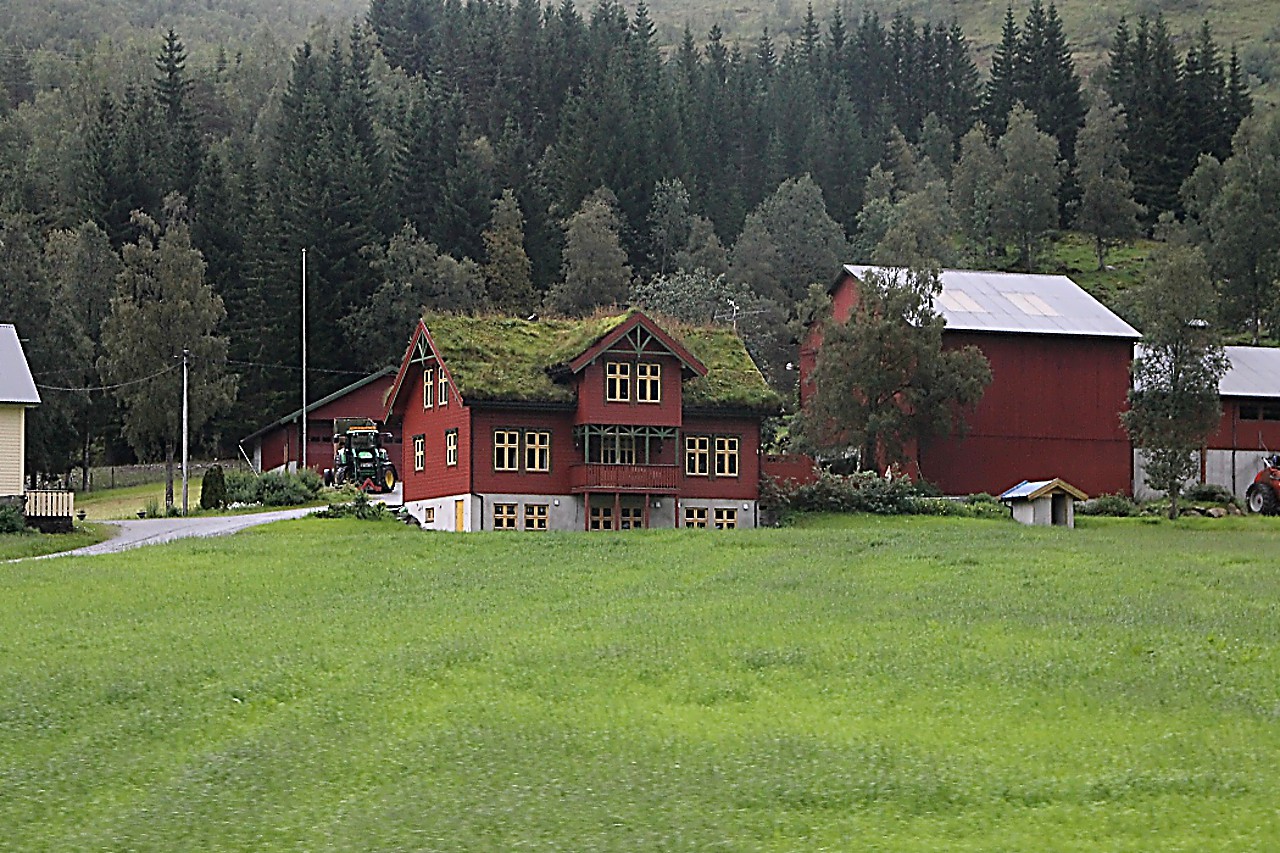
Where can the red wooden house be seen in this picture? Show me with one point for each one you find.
(609, 423)
(278, 445)
(1060, 377)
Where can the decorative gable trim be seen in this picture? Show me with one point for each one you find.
(642, 336)
(420, 350)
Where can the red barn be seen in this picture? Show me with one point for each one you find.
(1250, 423)
(278, 445)
(610, 423)
(1060, 377)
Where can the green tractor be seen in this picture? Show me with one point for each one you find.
(359, 457)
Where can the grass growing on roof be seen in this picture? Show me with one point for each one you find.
(853, 683)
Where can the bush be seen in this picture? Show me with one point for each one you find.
(311, 481)
(1208, 493)
(1118, 506)
(858, 492)
(11, 520)
(358, 507)
(213, 489)
(974, 506)
(242, 487)
(278, 488)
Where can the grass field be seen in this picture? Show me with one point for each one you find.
(124, 502)
(852, 684)
(14, 546)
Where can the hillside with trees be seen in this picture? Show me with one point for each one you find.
(503, 156)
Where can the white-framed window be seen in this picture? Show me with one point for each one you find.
(726, 456)
(697, 453)
(648, 382)
(442, 398)
(428, 387)
(419, 452)
(504, 516)
(429, 515)
(537, 450)
(601, 518)
(726, 518)
(535, 516)
(617, 381)
(506, 450)
(695, 516)
(451, 448)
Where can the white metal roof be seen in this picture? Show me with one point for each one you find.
(1254, 372)
(16, 384)
(1020, 303)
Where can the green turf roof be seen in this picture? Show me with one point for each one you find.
(508, 359)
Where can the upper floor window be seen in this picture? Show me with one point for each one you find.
(1260, 410)
(442, 399)
(617, 382)
(649, 382)
(618, 449)
(428, 387)
(697, 452)
(726, 456)
(537, 450)
(451, 447)
(419, 452)
(506, 450)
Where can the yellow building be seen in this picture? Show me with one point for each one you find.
(17, 394)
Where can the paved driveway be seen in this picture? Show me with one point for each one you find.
(153, 531)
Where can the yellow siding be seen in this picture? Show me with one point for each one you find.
(12, 449)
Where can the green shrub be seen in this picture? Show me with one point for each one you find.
(213, 489)
(152, 508)
(242, 487)
(311, 481)
(11, 520)
(358, 507)
(1119, 506)
(279, 488)
(1208, 493)
(862, 491)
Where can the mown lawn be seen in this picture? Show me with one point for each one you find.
(126, 501)
(32, 543)
(852, 684)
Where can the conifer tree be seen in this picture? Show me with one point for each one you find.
(1026, 193)
(509, 285)
(596, 271)
(1106, 210)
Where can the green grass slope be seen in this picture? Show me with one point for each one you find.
(864, 683)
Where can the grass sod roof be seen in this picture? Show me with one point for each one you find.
(508, 359)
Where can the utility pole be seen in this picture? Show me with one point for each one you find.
(304, 358)
(186, 358)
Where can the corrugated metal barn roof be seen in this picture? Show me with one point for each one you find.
(16, 384)
(1020, 303)
(1254, 372)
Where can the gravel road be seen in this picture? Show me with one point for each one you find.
(153, 531)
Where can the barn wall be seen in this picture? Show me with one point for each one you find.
(1052, 410)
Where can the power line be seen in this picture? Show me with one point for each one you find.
(110, 387)
(296, 367)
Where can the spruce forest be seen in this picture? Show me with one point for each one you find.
(505, 156)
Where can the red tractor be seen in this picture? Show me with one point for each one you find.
(1263, 496)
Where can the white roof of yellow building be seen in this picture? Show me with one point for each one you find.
(16, 384)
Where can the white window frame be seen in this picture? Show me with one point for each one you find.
(725, 518)
(537, 450)
(506, 450)
(536, 516)
(617, 382)
(727, 455)
(697, 448)
(451, 448)
(428, 387)
(505, 516)
(649, 382)
(419, 452)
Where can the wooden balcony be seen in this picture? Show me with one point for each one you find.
(663, 479)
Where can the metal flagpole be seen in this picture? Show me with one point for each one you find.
(185, 456)
(304, 358)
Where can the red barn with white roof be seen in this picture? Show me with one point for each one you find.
(1060, 377)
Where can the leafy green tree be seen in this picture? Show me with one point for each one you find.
(883, 379)
(1106, 211)
(692, 296)
(163, 306)
(507, 267)
(919, 232)
(973, 194)
(702, 249)
(596, 271)
(1174, 404)
(669, 223)
(1026, 192)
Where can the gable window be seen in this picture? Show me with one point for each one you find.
(504, 516)
(506, 450)
(695, 516)
(726, 519)
(451, 447)
(726, 456)
(648, 382)
(697, 451)
(419, 452)
(617, 382)
(428, 387)
(442, 399)
(535, 516)
(537, 450)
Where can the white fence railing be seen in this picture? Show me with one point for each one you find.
(50, 503)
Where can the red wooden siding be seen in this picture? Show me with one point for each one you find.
(281, 445)
(1235, 432)
(436, 479)
(594, 409)
(563, 453)
(745, 486)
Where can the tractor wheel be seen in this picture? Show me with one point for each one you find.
(328, 476)
(389, 479)
(1262, 499)
(339, 476)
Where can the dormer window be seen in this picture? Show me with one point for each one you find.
(649, 382)
(617, 382)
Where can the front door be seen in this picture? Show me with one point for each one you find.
(459, 515)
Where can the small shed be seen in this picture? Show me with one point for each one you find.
(1047, 502)
(17, 394)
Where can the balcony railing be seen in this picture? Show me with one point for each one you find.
(625, 478)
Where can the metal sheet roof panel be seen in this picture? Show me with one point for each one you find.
(16, 384)
(1020, 303)
(1254, 372)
